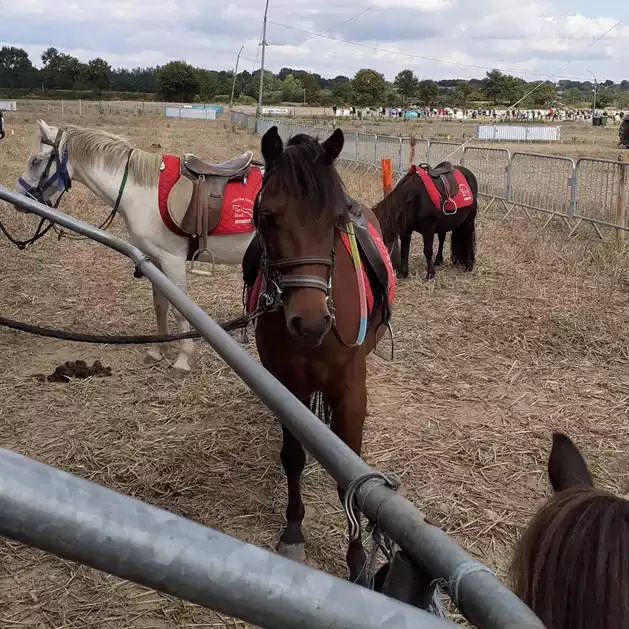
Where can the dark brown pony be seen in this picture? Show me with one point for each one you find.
(571, 566)
(408, 208)
(306, 337)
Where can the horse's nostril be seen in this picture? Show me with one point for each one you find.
(297, 324)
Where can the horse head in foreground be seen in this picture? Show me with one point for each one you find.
(320, 283)
(174, 207)
(571, 566)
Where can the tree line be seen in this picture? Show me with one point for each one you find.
(180, 81)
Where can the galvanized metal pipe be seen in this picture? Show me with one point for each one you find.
(485, 601)
(85, 522)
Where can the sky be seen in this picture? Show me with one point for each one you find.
(437, 39)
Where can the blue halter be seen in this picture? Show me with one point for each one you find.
(60, 178)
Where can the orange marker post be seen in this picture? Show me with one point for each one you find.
(387, 175)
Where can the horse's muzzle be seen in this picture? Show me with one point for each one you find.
(309, 332)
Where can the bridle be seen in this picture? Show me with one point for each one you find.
(60, 178)
(63, 182)
(276, 281)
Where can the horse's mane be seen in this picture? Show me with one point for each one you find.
(392, 211)
(571, 566)
(92, 146)
(302, 170)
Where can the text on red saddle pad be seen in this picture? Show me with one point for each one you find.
(461, 196)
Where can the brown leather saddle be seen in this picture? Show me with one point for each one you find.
(195, 201)
(443, 176)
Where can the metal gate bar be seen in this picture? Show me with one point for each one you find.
(88, 523)
(482, 598)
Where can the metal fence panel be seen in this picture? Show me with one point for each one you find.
(602, 189)
(440, 151)
(367, 149)
(350, 148)
(421, 153)
(542, 182)
(490, 167)
(389, 148)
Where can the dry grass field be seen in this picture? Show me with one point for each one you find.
(486, 366)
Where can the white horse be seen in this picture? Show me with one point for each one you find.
(100, 161)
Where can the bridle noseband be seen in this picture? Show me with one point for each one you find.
(278, 282)
(60, 178)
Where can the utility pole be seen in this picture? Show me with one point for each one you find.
(231, 100)
(264, 43)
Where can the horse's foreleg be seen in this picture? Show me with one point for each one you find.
(160, 305)
(429, 237)
(405, 250)
(292, 542)
(175, 269)
(442, 240)
(349, 407)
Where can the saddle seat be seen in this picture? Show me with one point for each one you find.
(234, 167)
(444, 168)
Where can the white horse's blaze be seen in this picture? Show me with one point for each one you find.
(138, 208)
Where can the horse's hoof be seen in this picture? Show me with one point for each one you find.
(151, 357)
(181, 369)
(296, 552)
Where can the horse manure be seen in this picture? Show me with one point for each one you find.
(75, 369)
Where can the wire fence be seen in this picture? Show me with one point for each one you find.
(590, 191)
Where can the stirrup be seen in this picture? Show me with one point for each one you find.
(196, 257)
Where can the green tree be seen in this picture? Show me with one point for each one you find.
(292, 90)
(573, 96)
(368, 87)
(406, 83)
(494, 86)
(15, 67)
(98, 74)
(60, 70)
(606, 97)
(544, 96)
(428, 93)
(177, 81)
(310, 83)
(463, 94)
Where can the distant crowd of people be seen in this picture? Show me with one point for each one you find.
(550, 114)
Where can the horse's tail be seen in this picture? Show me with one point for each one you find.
(463, 243)
(320, 407)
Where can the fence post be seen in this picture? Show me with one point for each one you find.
(621, 207)
(508, 173)
(573, 188)
(375, 149)
(387, 175)
(356, 146)
(399, 155)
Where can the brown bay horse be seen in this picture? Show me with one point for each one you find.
(316, 320)
(431, 201)
(571, 566)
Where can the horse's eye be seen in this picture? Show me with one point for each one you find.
(35, 162)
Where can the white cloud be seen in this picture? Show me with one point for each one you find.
(436, 38)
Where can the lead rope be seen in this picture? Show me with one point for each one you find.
(112, 215)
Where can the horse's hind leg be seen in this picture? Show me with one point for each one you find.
(292, 542)
(155, 353)
(439, 258)
(405, 250)
(429, 237)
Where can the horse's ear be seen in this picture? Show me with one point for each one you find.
(334, 145)
(567, 468)
(272, 146)
(44, 129)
